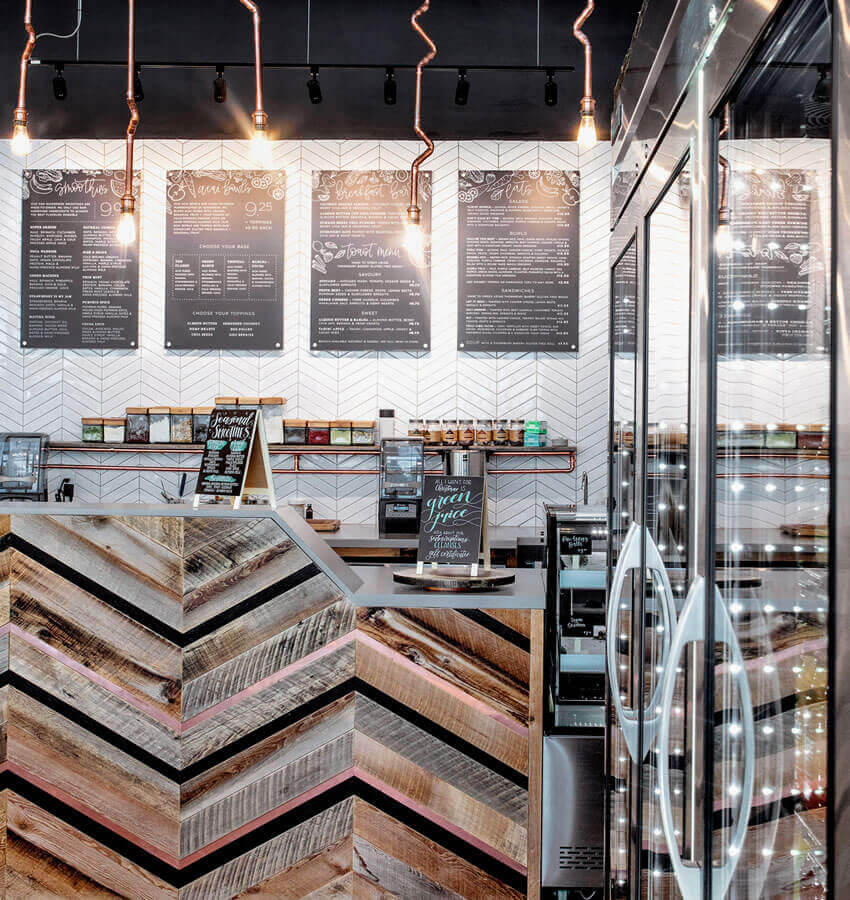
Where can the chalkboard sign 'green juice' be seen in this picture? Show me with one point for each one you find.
(450, 528)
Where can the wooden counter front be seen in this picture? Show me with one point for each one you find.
(194, 708)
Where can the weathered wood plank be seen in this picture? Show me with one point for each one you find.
(124, 562)
(93, 634)
(518, 619)
(430, 794)
(441, 759)
(535, 753)
(164, 530)
(258, 625)
(425, 856)
(5, 584)
(479, 726)
(397, 879)
(51, 855)
(266, 659)
(434, 655)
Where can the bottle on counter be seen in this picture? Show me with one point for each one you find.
(308, 512)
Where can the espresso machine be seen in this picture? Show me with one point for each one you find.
(401, 483)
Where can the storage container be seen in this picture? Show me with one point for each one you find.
(341, 433)
(363, 434)
(93, 431)
(113, 431)
(227, 402)
(516, 432)
(272, 412)
(200, 423)
(484, 432)
(318, 433)
(181, 425)
(295, 431)
(160, 424)
(465, 432)
(433, 431)
(138, 430)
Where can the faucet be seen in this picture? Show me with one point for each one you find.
(584, 487)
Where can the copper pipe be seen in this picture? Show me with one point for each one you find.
(260, 117)
(581, 36)
(128, 201)
(21, 109)
(413, 211)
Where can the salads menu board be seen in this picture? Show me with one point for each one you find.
(452, 513)
(230, 438)
(367, 292)
(224, 260)
(772, 282)
(518, 261)
(79, 286)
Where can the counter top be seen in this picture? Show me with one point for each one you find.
(368, 536)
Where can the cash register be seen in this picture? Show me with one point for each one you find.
(400, 491)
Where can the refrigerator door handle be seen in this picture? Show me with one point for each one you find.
(691, 629)
(636, 539)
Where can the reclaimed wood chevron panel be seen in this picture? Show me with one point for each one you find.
(191, 708)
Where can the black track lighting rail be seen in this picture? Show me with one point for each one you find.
(306, 66)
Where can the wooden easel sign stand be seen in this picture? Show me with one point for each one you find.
(235, 463)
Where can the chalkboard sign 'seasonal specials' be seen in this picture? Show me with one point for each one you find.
(235, 462)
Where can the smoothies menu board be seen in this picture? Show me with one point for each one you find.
(772, 283)
(224, 260)
(79, 286)
(226, 452)
(367, 292)
(518, 261)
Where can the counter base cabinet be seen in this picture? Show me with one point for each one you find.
(192, 709)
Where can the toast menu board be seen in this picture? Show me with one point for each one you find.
(224, 260)
(79, 285)
(230, 439)
(518, 261)
(367, 291)
(450, 527)
(772, 283)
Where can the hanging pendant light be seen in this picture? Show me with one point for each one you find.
(587, 128)
(126, 233)
(260, 146)
(20, 134)
(414, 239)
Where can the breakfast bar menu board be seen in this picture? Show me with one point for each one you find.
(518, 261)
(367, 291)
(79, 285)
(772, 282)
(224, 260)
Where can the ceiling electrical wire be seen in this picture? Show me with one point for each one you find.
(74, 33)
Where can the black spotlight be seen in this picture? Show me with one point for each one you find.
(138, 90)
(60, 86)
(314, 89)
(462, 89)
(550, 91)
(219, 86)
(390, 87)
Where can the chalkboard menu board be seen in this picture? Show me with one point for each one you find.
(226, 452)
(366, 291)
(772, 283)
(518, 261)
(224, 260)
(450, 529)
(79, 286)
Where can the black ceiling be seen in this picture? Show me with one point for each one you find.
(178, 102)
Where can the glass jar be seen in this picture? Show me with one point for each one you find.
(295, 431)
(416, 428)
(200, 423)
(433, 431)
(272, 412)
(227, 402)
(500, 432)
(113, 431)
(138, 429)
(516, 432)
(483, 432)
(813, 437)
(318, 432)
(341, 433)
(363, 434)
(92, 431)
(160, 419)
(465, 432)
(181, 425)
(780, 437)
(450, 432)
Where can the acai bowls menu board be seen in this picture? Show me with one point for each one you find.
(224, 260)
(518, 261)
(79, 285)
(367, 290)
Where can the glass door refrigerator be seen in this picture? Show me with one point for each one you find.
(728, 595)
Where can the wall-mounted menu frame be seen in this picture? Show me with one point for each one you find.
(79, 285)
(366, 291)
(518, 261)
(224, 260)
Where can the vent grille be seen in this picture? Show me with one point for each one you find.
(580, 858)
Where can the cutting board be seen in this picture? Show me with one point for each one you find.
(324, 524)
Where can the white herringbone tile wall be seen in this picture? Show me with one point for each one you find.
(51, 390)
